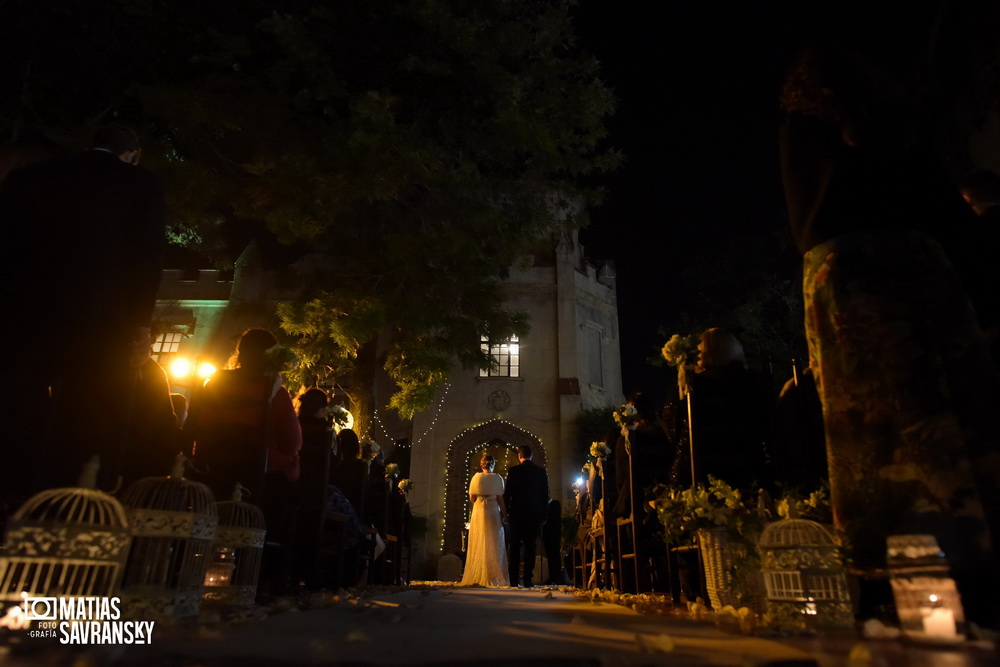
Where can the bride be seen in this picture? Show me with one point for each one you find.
(486, 558)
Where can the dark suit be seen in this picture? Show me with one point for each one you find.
(526, 495)
(81, 261)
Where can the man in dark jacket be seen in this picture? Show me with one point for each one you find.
(527, 497)
(82, 262)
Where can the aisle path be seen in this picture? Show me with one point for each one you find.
(484, 627)
(463, 626)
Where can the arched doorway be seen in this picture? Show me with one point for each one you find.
(497, 437)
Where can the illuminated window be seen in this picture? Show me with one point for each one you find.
(504, 358)
(165, 346)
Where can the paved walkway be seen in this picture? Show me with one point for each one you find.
(455, 626)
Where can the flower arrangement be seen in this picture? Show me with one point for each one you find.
(626, 416)
(338, 414)
(815, 507)
(587, 468)
(391, 469)
(598, 450)
(678, 352)
(684, 512)
(372, 449)
(405, 485)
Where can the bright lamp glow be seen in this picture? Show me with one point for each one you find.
(180, 368)
(348, 422)
(206, 370)
(579, 481)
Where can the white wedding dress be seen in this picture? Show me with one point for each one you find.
(486, 557)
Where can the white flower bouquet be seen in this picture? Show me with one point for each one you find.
(598, 450)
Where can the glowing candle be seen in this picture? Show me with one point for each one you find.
(940, 622)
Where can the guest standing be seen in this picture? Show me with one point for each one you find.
(81, 258)
(552, 541)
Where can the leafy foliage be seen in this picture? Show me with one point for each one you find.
(594, 424)
(684, 512)
(410, 151)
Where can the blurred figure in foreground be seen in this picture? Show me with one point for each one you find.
(908, 388)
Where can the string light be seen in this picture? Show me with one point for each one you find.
(406, 445)
(437, 413)
(375, 418)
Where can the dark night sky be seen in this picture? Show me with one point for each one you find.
(698, 85)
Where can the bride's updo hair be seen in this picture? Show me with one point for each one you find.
(487, 463)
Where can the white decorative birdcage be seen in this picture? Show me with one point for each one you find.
(173, 522)
(234, 565)
(65, 542)
(803, 574)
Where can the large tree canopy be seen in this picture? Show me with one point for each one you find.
(413, 150)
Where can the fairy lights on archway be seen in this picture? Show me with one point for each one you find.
(466, 442)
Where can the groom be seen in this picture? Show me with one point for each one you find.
(526, 496)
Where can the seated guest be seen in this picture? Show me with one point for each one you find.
(154, 436)
(799, 438)
(348, 490)
(729, 408)
(246, 432)
(350, 475)
(314, 458)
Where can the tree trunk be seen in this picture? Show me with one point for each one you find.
(363, 388)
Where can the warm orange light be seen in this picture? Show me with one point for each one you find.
(180, 368)
(206, 370)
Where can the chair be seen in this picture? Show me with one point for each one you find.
(677, 558)
(629, 557)
(329, 570)
(365, 559)
(601, 573)
(580, 563)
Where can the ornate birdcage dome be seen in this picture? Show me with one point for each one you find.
(66, 542)
(173, 521)
(237, 552)
(803, 574)
(796, 533)
(73, 505)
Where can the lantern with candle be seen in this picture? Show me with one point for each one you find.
(927, 600)
(173, 522)
(237, 552)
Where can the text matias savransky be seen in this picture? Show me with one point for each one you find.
(85, 620)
